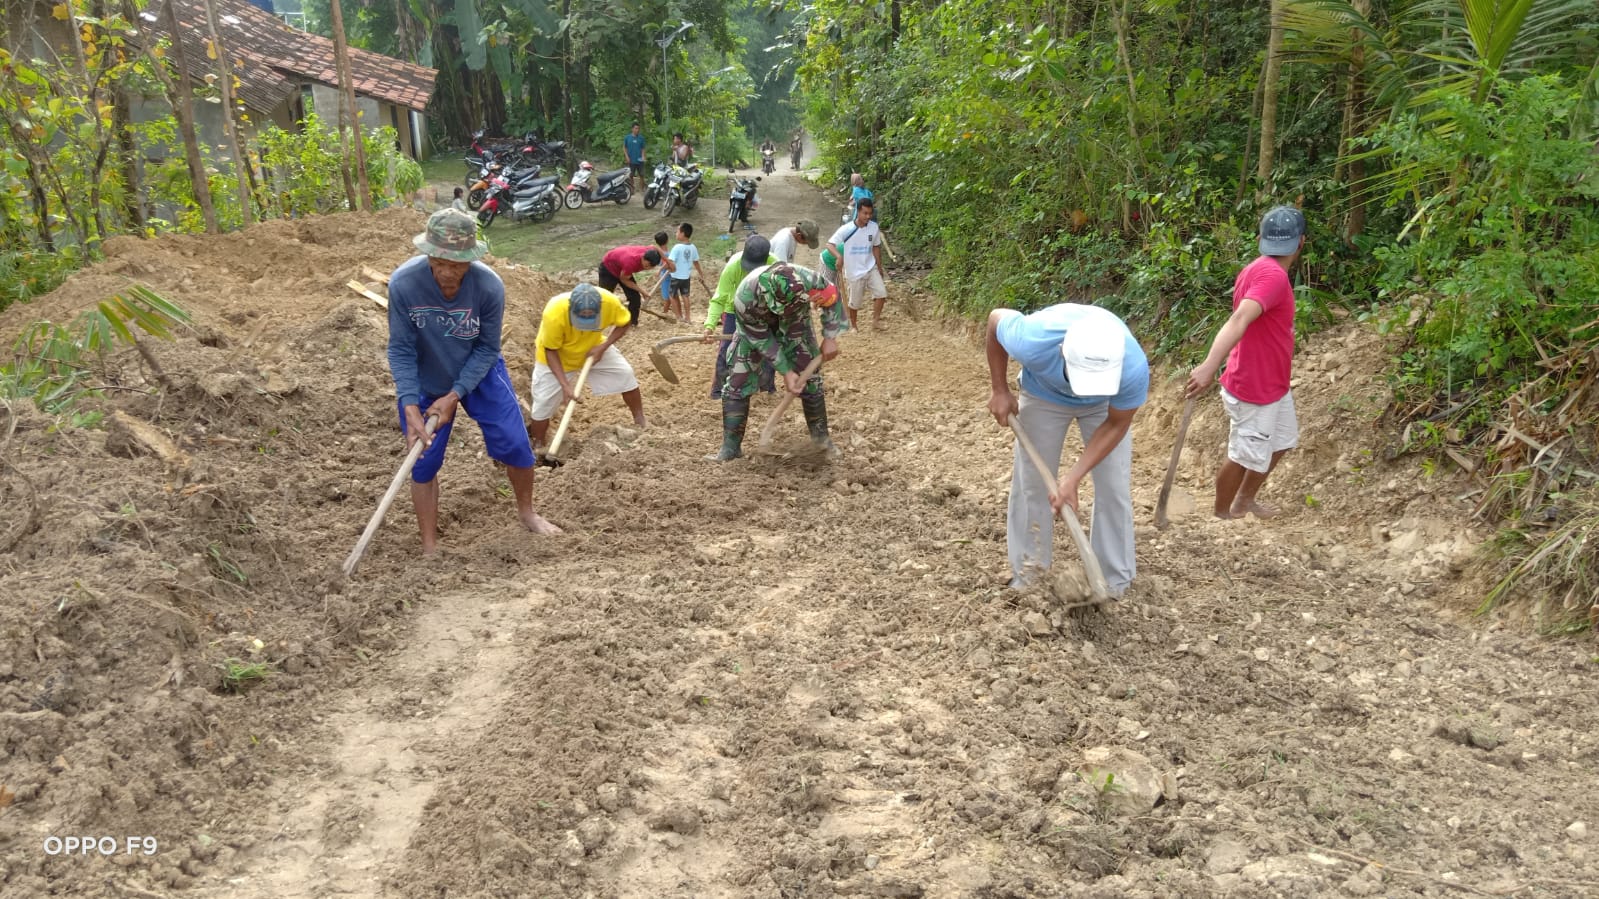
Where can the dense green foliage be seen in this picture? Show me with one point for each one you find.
(584, 70)
(1042, 153)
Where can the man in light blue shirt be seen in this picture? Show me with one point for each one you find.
(1078, 363)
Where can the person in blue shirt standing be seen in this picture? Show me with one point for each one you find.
(1079, 363)
(858, 191)
(445, 313)
(633, 143)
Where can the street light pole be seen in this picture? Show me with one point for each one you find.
(665, 40)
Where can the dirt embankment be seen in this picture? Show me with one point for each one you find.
(779, 677)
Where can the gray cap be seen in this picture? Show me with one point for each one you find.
(756, 251)
(1280, 230)
(584, 305)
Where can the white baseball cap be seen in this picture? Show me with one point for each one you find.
(1094, 347)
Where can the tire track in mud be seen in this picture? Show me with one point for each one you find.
(389, 742)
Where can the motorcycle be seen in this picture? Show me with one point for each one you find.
(741, 200)
(768, 161)
(683, 187)
(534, 198)
(538, 150)
(478, 189)
(658, 185)
(586, 188)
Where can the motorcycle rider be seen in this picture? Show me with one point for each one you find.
(768, 151)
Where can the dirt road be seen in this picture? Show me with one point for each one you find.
(776, 677)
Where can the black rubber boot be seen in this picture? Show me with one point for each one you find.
(735, 415)
(816, 422)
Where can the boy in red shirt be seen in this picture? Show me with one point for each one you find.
(1258, 344)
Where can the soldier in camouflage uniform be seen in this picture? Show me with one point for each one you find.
(773, 310)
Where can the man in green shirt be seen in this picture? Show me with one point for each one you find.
(757, 252)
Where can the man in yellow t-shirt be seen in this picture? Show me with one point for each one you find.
(571, 331)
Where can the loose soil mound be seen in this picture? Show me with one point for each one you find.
(777, 677)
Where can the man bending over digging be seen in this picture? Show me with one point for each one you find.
(445, 311)
(570, 333)
(773, 309)
(1079, 363)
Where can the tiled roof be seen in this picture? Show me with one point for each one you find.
(276, 57)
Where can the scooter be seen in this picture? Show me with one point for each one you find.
(611, 186)
(741, 200)
(683, 187)
(768, 161)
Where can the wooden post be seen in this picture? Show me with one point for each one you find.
(225, 84)
(349, 116)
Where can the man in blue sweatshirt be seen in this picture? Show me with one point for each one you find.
(445, 311)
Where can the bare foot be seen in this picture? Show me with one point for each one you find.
(1228, 515)
(642, 423)
(1253, 508)
(535, 522)
(429, 550)
(879, 326)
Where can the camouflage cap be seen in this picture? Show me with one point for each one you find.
(807, 229)
(452, 235)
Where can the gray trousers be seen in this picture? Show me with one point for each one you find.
(1030, 523)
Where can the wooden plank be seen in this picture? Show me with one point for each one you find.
(372, 274)
(361, 289)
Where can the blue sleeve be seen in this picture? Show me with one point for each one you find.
(402, 346)
(486, 349)
(1008, 332)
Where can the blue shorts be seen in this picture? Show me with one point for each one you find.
(492, 404)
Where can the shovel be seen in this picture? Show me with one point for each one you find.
(388, 498)
(782, 404)
(547, 458)
(658, 359)
(1171, 467)
(1096, 577)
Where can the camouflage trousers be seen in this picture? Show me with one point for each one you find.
(744, 364)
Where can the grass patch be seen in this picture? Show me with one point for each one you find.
(239, 675)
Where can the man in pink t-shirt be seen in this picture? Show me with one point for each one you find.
(1258, 344)
(621, 266)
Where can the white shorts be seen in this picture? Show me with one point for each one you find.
(611, 374)
(1258, 432)
(856, 288)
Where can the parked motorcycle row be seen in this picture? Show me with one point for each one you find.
(510, 182)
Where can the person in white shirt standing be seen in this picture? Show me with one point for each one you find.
(787, 241)
(859, 247)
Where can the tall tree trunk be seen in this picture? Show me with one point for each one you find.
(181, 97)
(225, 83)
(90, 239)
(1354, 172)
(1137, 166)
(566, 87)
(348, 116)
(1268, 103)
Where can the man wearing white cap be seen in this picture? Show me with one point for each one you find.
(1079, 363)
